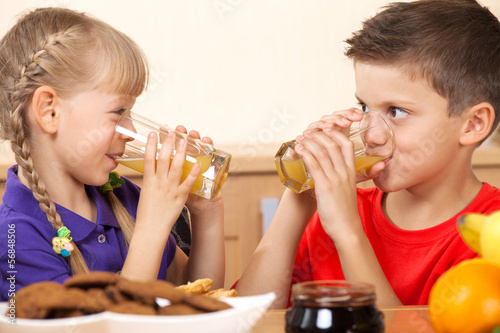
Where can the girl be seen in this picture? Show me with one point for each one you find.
(66, 79)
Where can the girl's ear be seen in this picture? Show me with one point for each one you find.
(45, 106)
(478, 122)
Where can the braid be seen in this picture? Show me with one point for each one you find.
(21, 147)
(122, 216)
(48, 47)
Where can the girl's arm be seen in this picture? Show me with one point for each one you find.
(207, 256)
(162, 199)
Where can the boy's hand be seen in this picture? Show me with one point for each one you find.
(330, 160)
(341, 121)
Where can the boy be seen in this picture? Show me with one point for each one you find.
(433, 69)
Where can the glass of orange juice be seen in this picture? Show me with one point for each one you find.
(214, 163)
(373, 141)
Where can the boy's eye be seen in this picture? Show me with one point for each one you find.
(398, 113)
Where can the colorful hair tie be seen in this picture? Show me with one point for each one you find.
(62, 243)
(114, 181)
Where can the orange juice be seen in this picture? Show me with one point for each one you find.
(206, 178)
(364, 163)
(293, 172)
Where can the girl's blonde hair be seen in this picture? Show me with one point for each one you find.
(70, 52)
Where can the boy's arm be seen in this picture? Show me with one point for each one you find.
(359, 262)
(271, 265)
(330, 160)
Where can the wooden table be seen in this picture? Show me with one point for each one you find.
(404, 319)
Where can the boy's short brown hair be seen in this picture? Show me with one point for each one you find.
(454, 44)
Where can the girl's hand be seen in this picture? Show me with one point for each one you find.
(195, 203)
(163, 195)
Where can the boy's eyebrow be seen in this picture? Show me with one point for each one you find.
(393, 102)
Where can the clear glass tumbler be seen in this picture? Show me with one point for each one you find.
(214, 163)
(373, 141)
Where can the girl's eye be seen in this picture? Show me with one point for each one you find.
(398, 113)
(120, 111)
(364, 107)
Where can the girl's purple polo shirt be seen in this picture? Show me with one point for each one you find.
(101, 243)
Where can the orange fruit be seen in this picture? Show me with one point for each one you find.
(466, 298)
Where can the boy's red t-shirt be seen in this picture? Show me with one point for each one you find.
(411, 260)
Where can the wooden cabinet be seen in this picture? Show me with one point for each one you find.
(253, 178)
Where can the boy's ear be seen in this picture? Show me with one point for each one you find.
(478, 122)
(45, 106)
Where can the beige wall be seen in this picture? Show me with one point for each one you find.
(245, 72)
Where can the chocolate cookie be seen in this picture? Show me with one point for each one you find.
(147, 291)
(74, 299)
(94, 279)
(30, 299)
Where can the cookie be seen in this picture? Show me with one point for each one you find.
(94, 279)
(30, 299)
(199, 286)
(178, 310)
(115, 295)
(130, 307)
(148, 291)
(74, 299)
(205, 303)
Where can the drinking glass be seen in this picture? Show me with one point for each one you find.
(373, 141)
(214, 163)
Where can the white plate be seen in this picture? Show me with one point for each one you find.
(241, 318)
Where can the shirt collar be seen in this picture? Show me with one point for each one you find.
(20, 199)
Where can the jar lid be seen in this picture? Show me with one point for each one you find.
(333, 293)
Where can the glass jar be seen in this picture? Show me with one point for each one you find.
(334, 306)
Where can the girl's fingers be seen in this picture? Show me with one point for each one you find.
(150, 154)
(190, 180)
(177, 163)
(194, 134)
(165, 154)
(181, 129)
(208, 140)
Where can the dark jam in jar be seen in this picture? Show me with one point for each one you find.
(334, 306)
